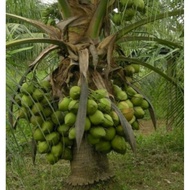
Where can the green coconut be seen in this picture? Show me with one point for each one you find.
(67, 154)
(72, 133)
(38, 94)
(136, 67)
(63, 129)
(129, 70)
(119, 145)
(129, 14)
(70, 119)
(47, 126)
(36, 120)
(127, 3)
(51, 158)
(139, 112)
(45, 85)
(73, 106)
(57, 117)
(57, 149)
(139, 5)
(130, 91)
(97, 118)
(135, 125)
(53, 138)
(137, 99)
(123, 105)
(144, 104)
(132, 120)
(110, 133)
(74, 92)
(92, 140)
(97, 132)
(38, 135)
(104, 105)
(108, 121)
(64, 103)
(120, 131)
(43, 147)
(37, 108)
(103, 146)
(115, 118)
(129, 103)
(92, 106)
(117, 18)
(87, 124)
(26, 101)
(27, 88)
(23, 113)
(121, 95)
(47, 111)
(116, 88)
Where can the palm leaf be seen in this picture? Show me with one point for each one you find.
(137, 61)
(60, 43)
(50, 30)
(147, 39)
(121, 33)
(44, 53)
(81, 114)
(129, 136)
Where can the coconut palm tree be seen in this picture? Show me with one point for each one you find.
(89, 35)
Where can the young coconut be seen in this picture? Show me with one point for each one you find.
(92, 106)
(74, 92)
(118, 144)
(43, 147)
(97, 118)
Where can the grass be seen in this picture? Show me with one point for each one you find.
(157, 165)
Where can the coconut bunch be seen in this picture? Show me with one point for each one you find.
(132, 104)
(100, 122)
(54, 121)
(55, 132)
(36, 105)
(127, 9)
(129, 100)
(34, 101)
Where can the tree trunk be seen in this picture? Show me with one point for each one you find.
(88, 166)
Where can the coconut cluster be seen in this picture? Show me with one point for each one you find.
(100, 122)
(127, 9)
(54, 122)
(131, 104)
(37, 106)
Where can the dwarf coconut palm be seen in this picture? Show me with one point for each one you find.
(88, 93)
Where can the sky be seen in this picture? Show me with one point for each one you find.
(48, 1)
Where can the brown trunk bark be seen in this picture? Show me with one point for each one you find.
(88, 166)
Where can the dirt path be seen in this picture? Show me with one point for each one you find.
(146, 126)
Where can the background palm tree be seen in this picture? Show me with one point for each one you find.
(88, 29)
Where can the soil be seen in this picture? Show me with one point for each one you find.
(147, 128)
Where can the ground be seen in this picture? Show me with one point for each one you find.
(146, 126)
(157, 165)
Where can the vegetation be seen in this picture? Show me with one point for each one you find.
(158, 164)
(85, 74)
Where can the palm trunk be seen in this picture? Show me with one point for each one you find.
(88, 166)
